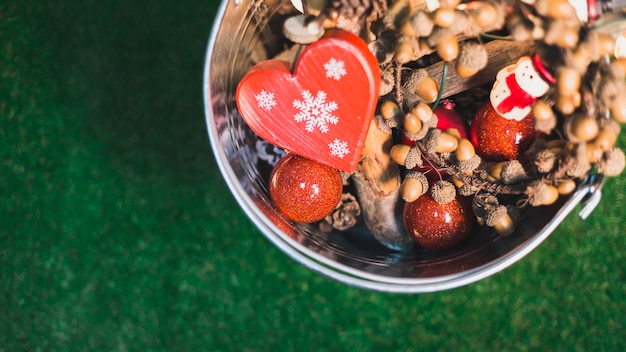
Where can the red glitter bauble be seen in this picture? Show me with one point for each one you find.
(438, 226)
(497, 138)
(305, 190)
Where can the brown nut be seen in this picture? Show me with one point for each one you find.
(566, 187)
(448, 48)
(399, 152)
(412, 123)
(447, 143)
(568, 81)
(583, 127)
(465, 150)
(411, 189)
(404, 53)
(423, 111)
(444, 17)
(427, 89)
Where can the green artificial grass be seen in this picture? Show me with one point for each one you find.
(117, 232)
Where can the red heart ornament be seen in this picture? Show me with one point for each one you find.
(322, 111)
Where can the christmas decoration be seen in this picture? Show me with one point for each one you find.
(322, 110)
(540, 88)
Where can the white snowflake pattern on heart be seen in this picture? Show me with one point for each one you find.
(339, 148)
(335, 69)
(315, 111)
(265, 100)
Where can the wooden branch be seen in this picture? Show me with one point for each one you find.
(377, 181)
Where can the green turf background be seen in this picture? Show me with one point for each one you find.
(117, 232)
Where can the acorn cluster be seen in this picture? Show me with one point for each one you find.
(577, 122)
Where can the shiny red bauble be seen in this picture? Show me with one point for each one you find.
(497, 138)
(304, 190)
(438, 226)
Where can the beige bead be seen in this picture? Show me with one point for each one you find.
(465, 150)
(399, 152)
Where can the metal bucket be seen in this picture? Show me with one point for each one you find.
(244, 33)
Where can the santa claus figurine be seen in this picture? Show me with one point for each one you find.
(503, 128)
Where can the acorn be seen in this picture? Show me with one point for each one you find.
(581, 128)
(499, 219)
(561, 34)
(404, 53)
(438, 141)
(420, 83)
(444, 17)
(413, 186)
(465, 150)
(566, 187)
(412, 124)
(606, 139)
(399, 152)
(593, 152)
(390, 110)
(567, 104)
(484, 13)
(542, 194)
(448, 48)
(613, 164)
(568, 81)
(545, 119)
(556, 9)
(471, 59)
(418, 24)
(423, 111)
(618, 110)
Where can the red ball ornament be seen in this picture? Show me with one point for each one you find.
(304, 190)
(438, 226)
(497, 138)
(503, 128)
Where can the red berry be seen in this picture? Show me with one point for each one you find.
(305, 190)
(438, 226)
(497, 138)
